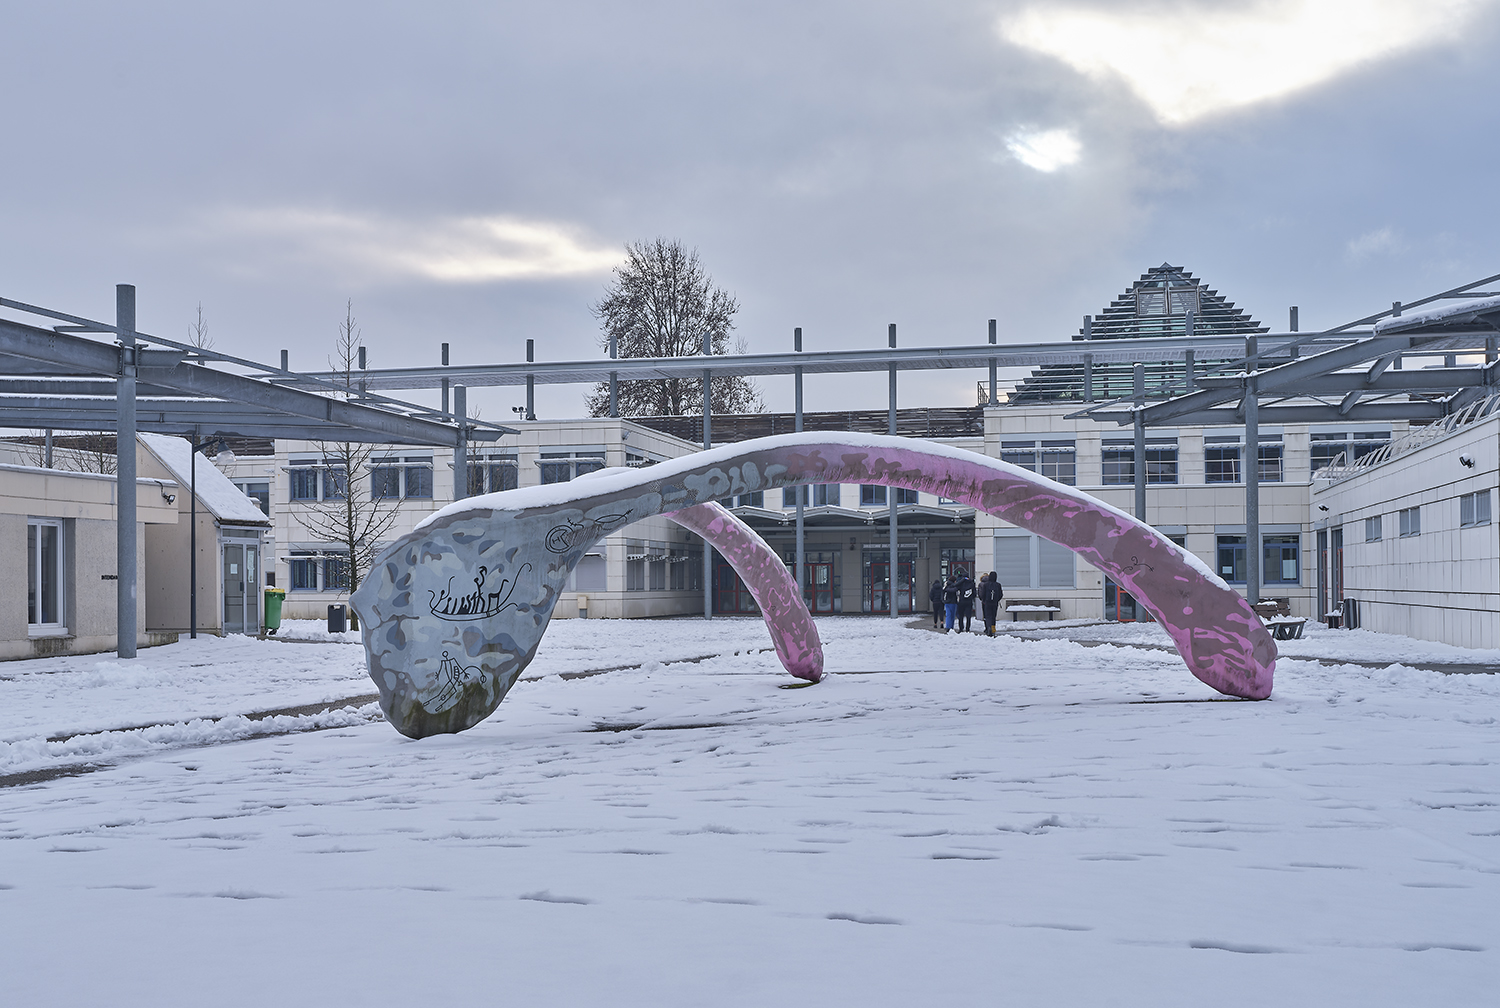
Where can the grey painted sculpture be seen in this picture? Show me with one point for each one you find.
(455, 610)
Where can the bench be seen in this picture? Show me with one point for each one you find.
(1033, 609)
(1286, 627)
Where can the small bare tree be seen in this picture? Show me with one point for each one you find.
(198, 332)
(351, 516)
(90, 453)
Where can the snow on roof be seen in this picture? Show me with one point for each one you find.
(1438, 313)
(216, 493)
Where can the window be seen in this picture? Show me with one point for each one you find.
(871, 496)
(44, 576)
(258, 492)
(1119, 464)
(1474, 509)
(1270, 463)
(419, 477)
(757, 499)
(1056, 460)
(1024, 562)
(335, 482)
(1326, 448)
(635, 565)
(820, 495)
(1372, 529)
(1221, 464)
(1177, 298)
(304, 572)
(304, 480)
(385, 480)
(1280, 562)
(492, 473)
(564, 466)
(336, 573)
(1231, 558)
(1411, 521)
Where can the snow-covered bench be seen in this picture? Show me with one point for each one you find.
(1032, 609)
(1286, 627)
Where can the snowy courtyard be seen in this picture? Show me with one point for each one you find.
(1061, 816)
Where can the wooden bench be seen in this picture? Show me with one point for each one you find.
(1018, 607)
(1286, 627)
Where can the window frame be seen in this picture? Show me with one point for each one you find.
(1410, 520)
(35, 575)
(1474, 509)
(1374, 528)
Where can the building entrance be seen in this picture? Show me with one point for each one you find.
(876, 582)
(241, 599)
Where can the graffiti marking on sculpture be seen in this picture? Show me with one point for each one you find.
(477, 604)
(452, 678)
(487, 637)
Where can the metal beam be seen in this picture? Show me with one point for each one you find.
(88, 357)
(1232, 416)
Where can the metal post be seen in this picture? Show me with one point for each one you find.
(708, 440)
(1292, 326)
(445, 382)
(1088, 327)
(125, 559)
(891, 491)
(193, 532)
(1396, 313)
(801, 571)
(1187, 324)
(461, 450)
(1190, 370)
(285, 361)
(47, 450)
(362, 367)
(994, 373)
(1140, 441)
(614, 377)
(1252, 479)
(530, 381)
(1088, 377)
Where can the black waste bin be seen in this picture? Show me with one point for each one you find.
(338, 618)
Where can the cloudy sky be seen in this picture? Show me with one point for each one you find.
(468, 172)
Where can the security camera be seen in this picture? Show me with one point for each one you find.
(1322, 507)
(1467, 461)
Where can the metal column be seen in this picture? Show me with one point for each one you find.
(1189, 367)
(801, 572)
(708, 440)
(1140, 441)
(461, 450)
(193, 533)
(125, 557)
(994, 391)
(445, 382)
(530, 381)
(1252, 474)
(891, 491)
(614, 377)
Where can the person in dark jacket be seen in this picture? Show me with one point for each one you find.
(965, 601)
(950, 603)
(990, 594)
(935, 596)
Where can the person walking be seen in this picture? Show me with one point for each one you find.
(990, 594)
(935, 596)
(950, 603)
(965, 601)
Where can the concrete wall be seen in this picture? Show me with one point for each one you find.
(86, 504)
(1444, 583)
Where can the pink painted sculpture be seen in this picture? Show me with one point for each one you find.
(793, 632)
(443, 654)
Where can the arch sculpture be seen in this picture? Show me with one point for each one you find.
(454, 610)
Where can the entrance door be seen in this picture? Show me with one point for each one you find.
(1336, 571)
(1119, 604)
(877, 584)
(241, 602)
(234, 589)
(820, 590)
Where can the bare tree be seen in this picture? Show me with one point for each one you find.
(198, 332)
(78, 452)
(661, 303)
(350, 517)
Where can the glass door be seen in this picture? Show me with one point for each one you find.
(234, 589)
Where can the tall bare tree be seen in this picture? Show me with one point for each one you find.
(661, 303)
(351, 517)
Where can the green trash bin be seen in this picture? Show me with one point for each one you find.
(274, 597)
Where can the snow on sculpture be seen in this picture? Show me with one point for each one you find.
(444, 655)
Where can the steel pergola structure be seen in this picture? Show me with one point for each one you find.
(58, 379)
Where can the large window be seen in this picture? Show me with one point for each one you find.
(385, 479)
(818, 495)
(260, 492)
(304, 571)
(1056, 460)
(319, 570)
(493, 473)
(756, 499)
(1474, 509)
(1270, 463)
(1410, 521)
(304, 480)
(1221, 464)
(1119, 463)
(44, 576)
(1231, 558)
(876, 496)
(418, 477)
(1282, 560)
(564, 466)
(1024, 562)
(1328, 448)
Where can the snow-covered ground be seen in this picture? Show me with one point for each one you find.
(945, 821)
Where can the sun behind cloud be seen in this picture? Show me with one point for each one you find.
(1190, 60)
(1044, 150)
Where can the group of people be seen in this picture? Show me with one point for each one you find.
(953, 601)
